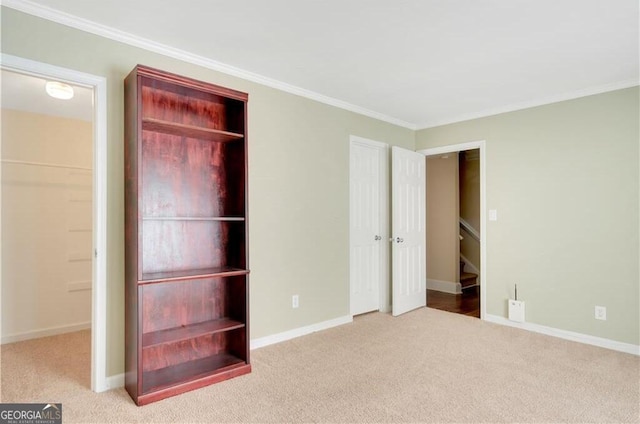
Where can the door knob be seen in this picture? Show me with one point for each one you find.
(399, 240)
(376, 238)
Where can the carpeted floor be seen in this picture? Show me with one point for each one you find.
(424, 366)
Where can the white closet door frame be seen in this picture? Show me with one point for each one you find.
(99, 380)
(384, 285)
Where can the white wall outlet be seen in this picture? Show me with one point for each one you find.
(493, 214)
(516, 310)
(601, 313)
(295, 301)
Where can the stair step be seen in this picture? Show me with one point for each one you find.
(468, 279)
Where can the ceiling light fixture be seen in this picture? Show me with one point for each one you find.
(59, 90)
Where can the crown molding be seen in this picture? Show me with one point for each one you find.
(35, 9)
(86, 25)
(532, 103)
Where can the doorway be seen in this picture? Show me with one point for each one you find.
(87, 180)
(462, 282)
(370, 227)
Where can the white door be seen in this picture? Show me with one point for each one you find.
(367, 222)
(408, 206)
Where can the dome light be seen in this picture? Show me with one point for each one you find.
(59, 90)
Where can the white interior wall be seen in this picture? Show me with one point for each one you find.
(46, 225)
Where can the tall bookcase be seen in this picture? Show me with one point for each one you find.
(186, 267)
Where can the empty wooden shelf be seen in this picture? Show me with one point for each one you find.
(186, 266)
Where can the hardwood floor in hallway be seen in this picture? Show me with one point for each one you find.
(467, 303)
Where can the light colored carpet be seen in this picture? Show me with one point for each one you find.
(425, 366)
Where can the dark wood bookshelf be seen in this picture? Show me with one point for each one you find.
(193, 218)
(190, 331)
(188, 371)
(190, 274)
(183, 130)
(186, 264)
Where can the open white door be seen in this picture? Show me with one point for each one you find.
(408, 206)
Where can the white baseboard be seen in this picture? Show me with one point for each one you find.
(567, 335)
(45, 332)
(444, 286)
(115, 382)
(298, 332)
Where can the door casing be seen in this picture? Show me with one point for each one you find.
(481, 145)
(99, 380)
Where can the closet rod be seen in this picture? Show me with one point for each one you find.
(48, 165)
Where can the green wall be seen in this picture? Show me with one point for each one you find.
(564, 179)
(298, 179)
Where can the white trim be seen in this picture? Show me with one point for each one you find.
(567, 335)
(469, 228)
(368, 142)
(0, 227)
(453, 148)
(46, 332)
(590, 91)
(444, 286)
(480, 144)
(153, 46)
(298, 332)
(385, 196)
(86, 25)
(115, 381)
(384, 295)
(99, 277)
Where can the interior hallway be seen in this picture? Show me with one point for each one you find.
(467, 303)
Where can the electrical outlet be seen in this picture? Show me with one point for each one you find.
(601, 313)
(295, 301)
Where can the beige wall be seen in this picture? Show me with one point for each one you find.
(564, 180)
(442, 219)
(563, 177)
(298, 180)
(46, 263)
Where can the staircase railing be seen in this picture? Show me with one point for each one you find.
(469, 229)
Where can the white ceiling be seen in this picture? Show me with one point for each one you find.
(27, 93)
(418, 63)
